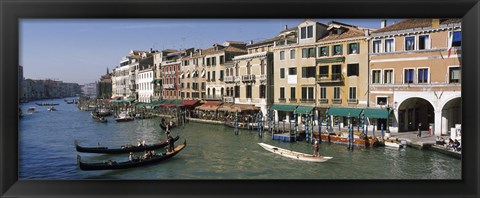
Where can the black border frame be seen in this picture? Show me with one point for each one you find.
(11, 11)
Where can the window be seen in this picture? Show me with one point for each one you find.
(181, 85)
(457, 39)
(352, 70)
(292, 71)
(308, 72)
(423, 75)
(208, 62)
(292, 54)
(308, 52)
(221, 75)
(188, 85)
(376, 46)
(213, 75)
(389, 45)
(388, 76)
(408, 77)
(323, 92)
(352, 93)
(337, 50)
(282, 72)
(307, 93)
(323, 71)
(262, 91)
(222, 59)
(282, 92)
(376, 76)
(248, 90)
(309, 31)
(237, 91)
(353, 48)
(292, 93)
(454, 74)
(336, 93)
(208, 76)
(323, 51)
(303, 33)
(214, 61)
(381, 100)
(409, 43)
(423, 42)
(282, 55)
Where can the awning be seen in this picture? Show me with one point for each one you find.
(207, 107)
(376, 113)
(284, 107)
(188, 74)
(203, 73)
(331, 60)
(168, 105)
(120, 101)
(225, 107)
(190, 103)
(338, 111)
(181, 75)
(212, 103)
(243, 107)
(304, 109)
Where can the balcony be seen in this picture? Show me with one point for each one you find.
(229, 99)
(282, 100)
(337, 101)
(248, 78)
(229, 79)
(307, 100)
(352, 101)
(323, 101)
(330, 78)
(292, 100)
(214, 97)
(168, 86)
(262, 77)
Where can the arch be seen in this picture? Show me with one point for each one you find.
(414, 112)
(451, 114)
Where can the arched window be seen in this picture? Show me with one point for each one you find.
(208, 91)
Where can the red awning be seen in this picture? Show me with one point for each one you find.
(212, 103)
(189, 103)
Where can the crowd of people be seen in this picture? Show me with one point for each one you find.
(450, 144)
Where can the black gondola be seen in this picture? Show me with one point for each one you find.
(123, 149)
(110, 165)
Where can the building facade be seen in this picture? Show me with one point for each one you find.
(415, 69)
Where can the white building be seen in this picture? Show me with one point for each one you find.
(145, 86)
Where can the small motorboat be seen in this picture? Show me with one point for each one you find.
(110, 165)
(124, 117)
(293, 154)
(51, 108)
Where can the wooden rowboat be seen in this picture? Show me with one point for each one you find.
(293, 154)
(109, 165)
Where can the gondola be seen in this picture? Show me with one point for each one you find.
(109, 165)
(169, 127)
(99, 118)
(123, 149)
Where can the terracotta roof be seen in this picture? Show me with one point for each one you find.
(169, 50)
(267, 41)
(415, 23)
(349, 32)
(235, 42)
(234, 49)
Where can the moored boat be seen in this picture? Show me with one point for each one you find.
(110, 165)
(124, 117)
(98, 118)
(294, 154)
(122, 149)
(47, 104)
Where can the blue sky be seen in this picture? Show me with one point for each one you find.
(73, 50)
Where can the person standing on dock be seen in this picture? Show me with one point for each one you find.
(419, 130)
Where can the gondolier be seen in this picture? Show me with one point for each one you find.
(316, 148)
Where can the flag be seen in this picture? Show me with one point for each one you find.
(450, 43)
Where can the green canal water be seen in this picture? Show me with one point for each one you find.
(46, 151)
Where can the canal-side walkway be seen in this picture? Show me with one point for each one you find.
(426, 141)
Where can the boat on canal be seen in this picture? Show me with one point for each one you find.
(51, 108)
(170, 127)
(98, 118)
(31, 110)
(47, 104)
(110, 165)
(293, 154)
(124, 117)
(122, 149)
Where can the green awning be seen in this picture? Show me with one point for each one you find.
(284, 107)
(304, 109)
(338, 111)
(120, 101)
(331, 60)
(376, 113)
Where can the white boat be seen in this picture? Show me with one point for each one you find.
(124, 117)
(51, 108)
(396, 145)
(293, 154)
(31, 110)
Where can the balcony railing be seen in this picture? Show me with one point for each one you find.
(323, 101)
(330, 78)
(307, 100)
(168, 86)
(213, 97)
(262, 77)
(352, 101)
(229, 79)
(229, 99)
(282, 100)
(248, 78)
(292, 100)
(337, 101)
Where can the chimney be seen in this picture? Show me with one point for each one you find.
(435, 23)
(367, 32)
(383, 23)
(286, 27)
(251, 42)
(200, 51)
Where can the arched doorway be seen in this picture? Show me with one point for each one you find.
(451, 114)
(415, 111)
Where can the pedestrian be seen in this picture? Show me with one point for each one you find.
(419, 131)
